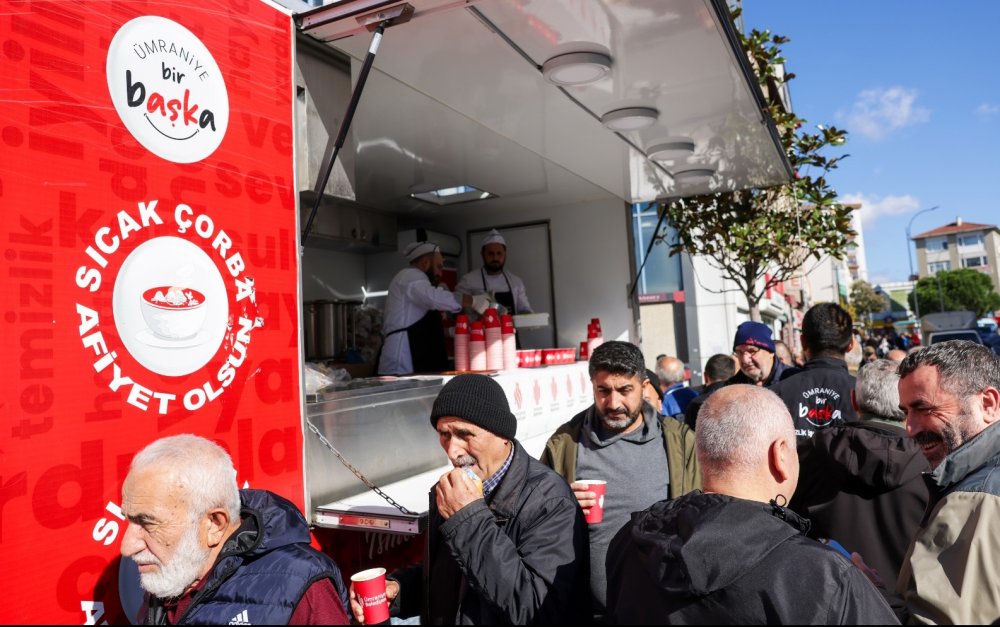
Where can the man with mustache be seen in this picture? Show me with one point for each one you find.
(209, 553)
(507, 288)
(414, 337)
(506, 542)
(950, 393)
(644, 457)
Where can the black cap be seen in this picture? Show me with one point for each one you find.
(477, 399)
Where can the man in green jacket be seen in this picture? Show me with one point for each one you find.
(620, 439)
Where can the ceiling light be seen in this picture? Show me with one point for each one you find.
(576, 68)
(630, 119)
(693, 176)
(673, 149)
(453, 195)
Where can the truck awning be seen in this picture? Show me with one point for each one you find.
(458, 96)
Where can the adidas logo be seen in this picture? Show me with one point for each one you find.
(241, 619)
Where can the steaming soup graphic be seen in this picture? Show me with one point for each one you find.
(173, 313)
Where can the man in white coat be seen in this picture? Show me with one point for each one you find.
(414, 338)
(508, 289)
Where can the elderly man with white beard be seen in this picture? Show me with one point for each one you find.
(210, 553)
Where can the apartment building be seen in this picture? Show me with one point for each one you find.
(960, 245)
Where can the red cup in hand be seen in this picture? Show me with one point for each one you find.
(596, 512)
(369, 585)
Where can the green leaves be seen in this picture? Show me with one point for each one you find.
(761, 237)
(866, 300)
(956, 290)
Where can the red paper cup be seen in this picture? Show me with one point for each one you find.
(369, 585)
(598, 487)
(507, 323)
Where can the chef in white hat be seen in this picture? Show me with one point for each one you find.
(411, 325)
(507, 288)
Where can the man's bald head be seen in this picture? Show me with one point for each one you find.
(746, 430)
(897, 355)
(670, 370)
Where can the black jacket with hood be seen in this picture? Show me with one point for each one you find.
(716, 559)
(860, 483)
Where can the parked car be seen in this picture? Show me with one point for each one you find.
(945, 336)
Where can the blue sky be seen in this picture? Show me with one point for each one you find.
(917, 85)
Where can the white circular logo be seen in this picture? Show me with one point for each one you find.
(171, 316)
(167, 89)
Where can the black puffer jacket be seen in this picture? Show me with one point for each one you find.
(860, 483)
(818, 396)
(521, 559)
(715, 559)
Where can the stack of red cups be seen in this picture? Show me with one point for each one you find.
(594, 338)
(477, 347)
(494, 340)
(509, 342)
(461, 342)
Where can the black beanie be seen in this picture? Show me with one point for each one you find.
(479, 400)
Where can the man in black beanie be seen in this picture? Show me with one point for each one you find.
(507, 542)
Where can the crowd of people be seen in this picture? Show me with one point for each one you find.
(778, 494)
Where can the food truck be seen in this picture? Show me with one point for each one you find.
(160, 162)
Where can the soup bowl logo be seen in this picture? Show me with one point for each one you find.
(167, 89)
(172, 312)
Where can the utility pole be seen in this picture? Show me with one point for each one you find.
(909, 256)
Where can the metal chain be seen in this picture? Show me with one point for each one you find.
(357, 473)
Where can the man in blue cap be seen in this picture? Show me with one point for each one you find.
(754, 350)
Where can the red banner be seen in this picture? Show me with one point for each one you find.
(151, 275)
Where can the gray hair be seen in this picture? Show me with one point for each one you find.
(965, 367)
(736, 425)
(877, 390)
(202, 467)
(670, 370)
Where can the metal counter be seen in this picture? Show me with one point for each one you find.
(383, 429)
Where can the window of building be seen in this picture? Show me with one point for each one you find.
(662, 273)
(938, 266)
(975, 262)
(971, 241)
(937, 244)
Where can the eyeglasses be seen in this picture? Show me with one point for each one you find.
(749, 351)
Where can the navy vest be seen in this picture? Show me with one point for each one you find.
(262, 573)
(264, 591)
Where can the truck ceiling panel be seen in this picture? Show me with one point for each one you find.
(481, 65)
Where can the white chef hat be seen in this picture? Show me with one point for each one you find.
(416, 250)
(494, 237)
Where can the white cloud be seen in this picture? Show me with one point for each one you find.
(877, 112)
(988, 109)
(874, 207)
